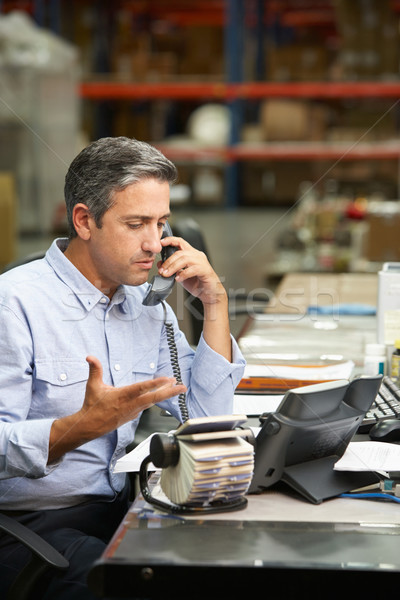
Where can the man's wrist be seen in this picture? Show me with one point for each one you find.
(217, 296)
(217, 309)
(67, 434)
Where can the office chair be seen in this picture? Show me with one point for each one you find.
(44, 557)
(240, 303)
(25, 259)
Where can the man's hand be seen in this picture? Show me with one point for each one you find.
(192, 270)
(199, 278)
(105, 408)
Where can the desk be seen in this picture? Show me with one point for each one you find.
(277, 543)
(306, 339)
(287, 334)
(297, 291)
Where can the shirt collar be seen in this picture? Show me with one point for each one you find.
(87, 294)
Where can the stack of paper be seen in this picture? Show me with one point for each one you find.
(263, 386)
(260, 378)
(213, 465)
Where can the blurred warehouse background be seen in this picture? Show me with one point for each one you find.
(281, 116)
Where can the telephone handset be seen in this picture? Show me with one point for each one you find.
(161, 287)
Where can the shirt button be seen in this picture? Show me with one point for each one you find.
(63, 376)
(152, 365)
(103, 300)
(117, 367)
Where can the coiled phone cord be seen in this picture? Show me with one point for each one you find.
(213, 507)
(169, 328)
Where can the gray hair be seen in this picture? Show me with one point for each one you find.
(109, 165)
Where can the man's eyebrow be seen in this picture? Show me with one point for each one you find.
(144, 218)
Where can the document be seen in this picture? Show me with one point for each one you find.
(255, 404)
(263, 386)
(370, 456)
(342, 370)
(131, 462)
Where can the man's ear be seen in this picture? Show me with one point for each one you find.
(82, 220)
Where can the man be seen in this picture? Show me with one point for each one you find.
(82, 357)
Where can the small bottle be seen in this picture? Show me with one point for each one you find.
(375, 359)
(395, 362)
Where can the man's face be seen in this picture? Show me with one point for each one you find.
(123, 250)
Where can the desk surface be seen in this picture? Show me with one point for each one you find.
(287, 334)
(306, 339)
(277, 540)
(298, 291)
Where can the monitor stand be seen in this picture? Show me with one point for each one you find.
(316, 480)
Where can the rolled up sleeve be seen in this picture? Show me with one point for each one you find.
(24, 444)
(24, 449)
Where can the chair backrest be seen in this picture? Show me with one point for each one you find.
(25, 259)
(239, 304)
(190, 231)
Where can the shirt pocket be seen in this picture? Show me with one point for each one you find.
(59, 387)
(145, 367)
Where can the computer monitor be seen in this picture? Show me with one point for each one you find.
(311, 429)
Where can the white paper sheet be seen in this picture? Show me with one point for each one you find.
(134, 458)
(370, 456)
(255, 404)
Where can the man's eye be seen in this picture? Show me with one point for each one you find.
(134, 225)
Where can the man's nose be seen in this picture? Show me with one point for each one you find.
(151, 242)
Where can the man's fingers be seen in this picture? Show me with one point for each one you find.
(164, 392)
(156, 390)
(133, 397)
(95, 368)
(160, 384)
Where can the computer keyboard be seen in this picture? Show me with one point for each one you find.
(385, 406)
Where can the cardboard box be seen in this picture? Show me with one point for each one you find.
(273, 183)
(296, 62)
(383, 241)
(369, 39)
(7, 218)
(294, 120)
(202, 52)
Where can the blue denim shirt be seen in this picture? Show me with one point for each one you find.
(51, 318)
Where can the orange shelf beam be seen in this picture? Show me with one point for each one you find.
(322, 90)
(109, 90)
(182, 153)
(286, 151)
(316, 151)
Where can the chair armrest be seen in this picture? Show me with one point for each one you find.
(258, 297)
(33, 541)
(247, 304)
(44, 557)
